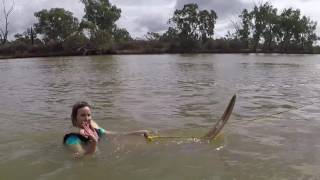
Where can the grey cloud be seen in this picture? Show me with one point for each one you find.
(140, 18)
(153, 23)
(223, 8)
(141, 2)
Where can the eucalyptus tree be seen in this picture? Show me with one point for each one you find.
(308, 37)
(288, 19)
(171, 35)
(4, 25)
(264, 19)
(243, 30)
(121, 35)
(270, 19)
(207, 20)
(288, 31)
(56, 24)
(186, 22)
(296, 32)
(27, 37)
(100, 20)
(100, 14)
(192, 25)
(304, 34)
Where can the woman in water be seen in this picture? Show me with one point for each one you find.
(85, 141)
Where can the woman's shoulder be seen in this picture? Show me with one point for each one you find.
(94, 124)
(101, 131)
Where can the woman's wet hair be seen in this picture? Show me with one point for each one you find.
(75, 109)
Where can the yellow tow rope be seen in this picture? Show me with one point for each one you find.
(152, 138)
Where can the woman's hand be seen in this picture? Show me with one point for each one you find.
(89, 132)
(144, 133)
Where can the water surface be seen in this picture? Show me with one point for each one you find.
(272, 134)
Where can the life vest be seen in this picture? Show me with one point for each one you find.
(77, 138)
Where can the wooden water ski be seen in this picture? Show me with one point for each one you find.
(212, 132)
(222, 121)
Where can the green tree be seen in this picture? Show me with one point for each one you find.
(121, 35)
(152, 36)
(243, 32)
(262, 17)
(100, 14)
(288, 31)
(186, 21)
(207, 21)
(75, 42)
(171, 35)
(99, 19)
(56, 24)
(192, 25)
(296, 32)
(258, 25)
(308, 37)
(270, 19)
(27, 36)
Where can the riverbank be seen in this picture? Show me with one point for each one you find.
(144, 51)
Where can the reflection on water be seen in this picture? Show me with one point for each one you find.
(272, 134)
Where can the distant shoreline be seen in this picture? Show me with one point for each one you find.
(142, 52)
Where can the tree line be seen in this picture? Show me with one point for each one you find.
(57, 31)
(261, 29)
(265, 28)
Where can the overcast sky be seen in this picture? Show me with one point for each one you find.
(142, 16)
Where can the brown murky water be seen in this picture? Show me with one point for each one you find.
(272, 134)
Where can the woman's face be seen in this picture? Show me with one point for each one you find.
(83, 116)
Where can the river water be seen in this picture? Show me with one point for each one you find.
(273, 132)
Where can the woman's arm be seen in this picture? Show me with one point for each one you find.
(139, 132)
(144, 133)
(92, 146)
(80, 150)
